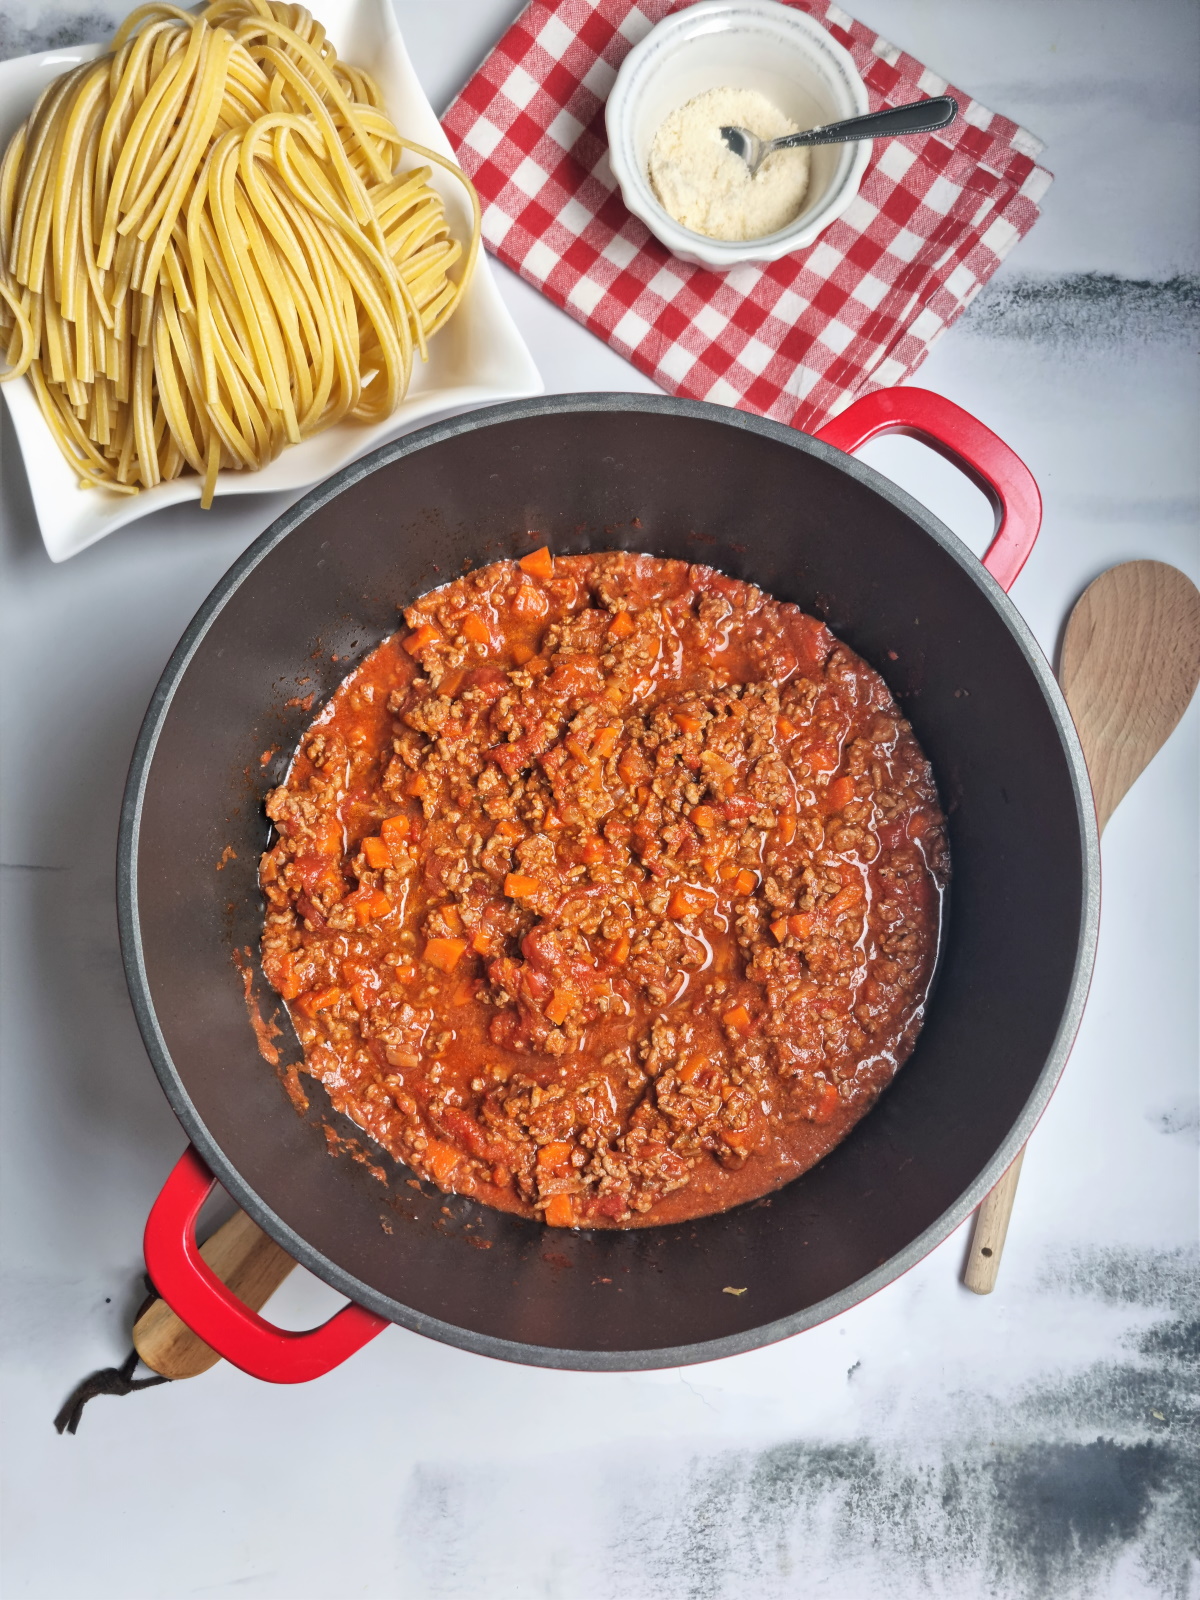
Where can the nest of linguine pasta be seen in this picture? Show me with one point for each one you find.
(209, 250)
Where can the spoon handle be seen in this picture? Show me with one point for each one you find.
(923, 116)
(991, 1230)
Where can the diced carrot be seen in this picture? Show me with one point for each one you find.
(509, 831)
(424, 636)
(476, 629)
(530, 601)
(704, 818)
(617, 950)
(521, 653)
(686, 722)
(614, 692)
(418, 784)
(376, 851)
(688, 901)
(786, 826)
(692, 1067)
(785, 728)
(538, 563)
(737, 1018)
(561, 1005)
(451, 682)
(560, 1212)
(841, 792)
(726, 871)
(444, 953)
(594, 849)
(451, 917)
(556, 1154)
(605, 742)
(780, 929)
(630, 766)
(405, 972)
(519, 887)
(621, 625)
(827, 1102)
(822, 757)
(746, 882)
(481, 944)
(844, 899)
(286, 981)
(318, 1000)
(465, 993)
(368, 905)
(551, 822)
(441, 1159)
(395, 830)
(800, 925)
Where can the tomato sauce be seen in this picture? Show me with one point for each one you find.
(608, 891)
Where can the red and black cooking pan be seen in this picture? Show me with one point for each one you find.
(801, 518)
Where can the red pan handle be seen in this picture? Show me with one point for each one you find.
(974, 449)
(198, 1297)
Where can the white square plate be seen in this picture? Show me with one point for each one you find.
(477, 358)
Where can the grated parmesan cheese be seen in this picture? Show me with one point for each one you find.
(704, 186)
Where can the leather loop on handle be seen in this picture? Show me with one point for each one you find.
(963, 440)
(198, 1297)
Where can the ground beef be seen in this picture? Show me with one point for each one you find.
(607, 891)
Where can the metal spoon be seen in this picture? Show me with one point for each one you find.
(923, 116)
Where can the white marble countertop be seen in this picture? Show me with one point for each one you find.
(1040, 1442)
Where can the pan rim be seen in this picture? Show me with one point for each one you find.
(328, 1270)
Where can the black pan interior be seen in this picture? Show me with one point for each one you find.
(766, 505)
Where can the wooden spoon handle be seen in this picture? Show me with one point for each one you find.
(991, 1227)
(245, 1259)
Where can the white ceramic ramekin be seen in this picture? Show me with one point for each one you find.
(740, 44)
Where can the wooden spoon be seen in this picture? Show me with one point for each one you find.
(1130, 663)
(1130, 660)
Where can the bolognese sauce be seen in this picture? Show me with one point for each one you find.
(607, 891)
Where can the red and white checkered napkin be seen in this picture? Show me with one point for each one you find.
(795, 340)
